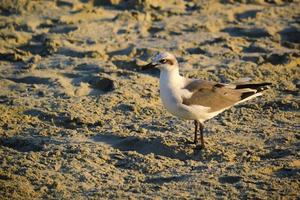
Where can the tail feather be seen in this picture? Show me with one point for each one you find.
(247, 94)
(259, 86)
(256, 88)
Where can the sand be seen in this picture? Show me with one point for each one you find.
(79, 120)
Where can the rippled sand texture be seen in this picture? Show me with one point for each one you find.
(79, 120)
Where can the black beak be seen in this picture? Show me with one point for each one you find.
(148, 66)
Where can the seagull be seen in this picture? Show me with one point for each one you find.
(195, 99)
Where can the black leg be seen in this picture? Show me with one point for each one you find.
(201, 134)
(196, 130)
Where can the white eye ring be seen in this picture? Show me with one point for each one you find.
(163, 61)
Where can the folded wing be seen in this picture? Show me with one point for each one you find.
(219, 96)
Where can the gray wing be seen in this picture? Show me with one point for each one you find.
(219, 96)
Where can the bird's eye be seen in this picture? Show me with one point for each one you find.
(163, 61)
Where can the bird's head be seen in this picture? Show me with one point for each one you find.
(162, 61)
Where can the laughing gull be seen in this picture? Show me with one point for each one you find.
(198, 100)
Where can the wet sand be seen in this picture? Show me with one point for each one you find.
(79, 120)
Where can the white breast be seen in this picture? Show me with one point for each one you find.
(169, 98)
(171, 94)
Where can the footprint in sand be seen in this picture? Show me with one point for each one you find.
(82, 81)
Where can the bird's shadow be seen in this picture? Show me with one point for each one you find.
(145, 146)
(157, 146)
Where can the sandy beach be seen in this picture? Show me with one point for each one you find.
(80, 120)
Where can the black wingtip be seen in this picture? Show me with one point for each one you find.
(247, 94)
(255, 86)
(264, 87)
(258, 87)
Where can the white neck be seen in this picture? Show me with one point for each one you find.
(171, 78)
(171, 84)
